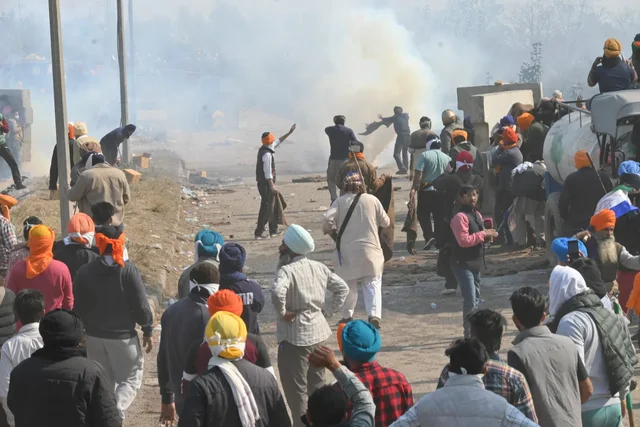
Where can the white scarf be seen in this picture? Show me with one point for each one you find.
(88, 236)
(462, 164)
(242, 394)
(212, 288)
(564, 284)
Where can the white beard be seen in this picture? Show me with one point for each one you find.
(608, 251)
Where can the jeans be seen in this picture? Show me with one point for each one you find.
(609, 416)
(469, 283)
(372, 291)
(402, 148)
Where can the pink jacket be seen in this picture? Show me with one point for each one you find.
(460, 228)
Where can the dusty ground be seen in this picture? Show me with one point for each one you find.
(414, 334)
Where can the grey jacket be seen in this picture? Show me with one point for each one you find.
(445, 136)
(549, 362)
(364, 409)
(463, 402)
(507, 160)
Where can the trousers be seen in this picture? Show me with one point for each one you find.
(531, 211)
(332, 172)
(124, 363)
(265, 215)
(5, 153)
(609, 416)
(299, 380)
(504, 199)
(372, 291)
(430, 205)
(469, 282)
(415, 153)
(401, 151)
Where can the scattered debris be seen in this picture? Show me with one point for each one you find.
(326, 187)
(156, 246)
(192, 220)
(316, 178)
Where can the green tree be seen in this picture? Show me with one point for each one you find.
(531, 72)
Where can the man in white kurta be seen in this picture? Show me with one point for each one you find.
(361, 258)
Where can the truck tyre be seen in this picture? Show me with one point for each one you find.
(553, 224)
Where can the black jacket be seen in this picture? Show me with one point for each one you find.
(110, 143)
(529, 183)
(74, 256)
(449, 184)
(251, 294)
(111, 299)
(507, 160)
(210, 400)
(7, 316)
(62, 387)
(580, 195)
(339, 138)
(183, 325)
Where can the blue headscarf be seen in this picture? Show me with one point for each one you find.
(360, 341)
(560, 247)
(629, 166)
(208, 244)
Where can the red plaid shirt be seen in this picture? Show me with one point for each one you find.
(390, 390)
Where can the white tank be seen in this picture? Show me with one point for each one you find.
(564, 139)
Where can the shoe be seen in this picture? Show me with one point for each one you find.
(276, 234)
(262, 236)
(448, 292)
(402, 172)
(20, 186)
(54, 195)
(345, 320)
(375, 321)
(429, 244)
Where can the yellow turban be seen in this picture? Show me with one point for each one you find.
(80, 129)
(612, 48)
(226, 335)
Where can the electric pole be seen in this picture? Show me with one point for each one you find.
(60, 103)
(124, 102)
(132, 64)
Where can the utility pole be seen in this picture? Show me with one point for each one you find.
(60, 102)
(132, 64)
(124, 102)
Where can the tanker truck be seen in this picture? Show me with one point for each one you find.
(604, 132)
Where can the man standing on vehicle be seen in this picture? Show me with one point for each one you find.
(5, 153)
(611, 73)
(266, 179)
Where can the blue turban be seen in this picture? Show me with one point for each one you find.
(208, 244)
(629, 166)
(507, 121)
(232, 258)
(560, 247)
(360, 341)
(299, 240)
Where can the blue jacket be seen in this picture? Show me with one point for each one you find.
(251, 294)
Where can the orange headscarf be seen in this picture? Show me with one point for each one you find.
(581, 158)
(604, 219)
(117, 247)
(6, 203)
(359, 156)
(509, 138)
(340, 329)
(268, 140)
(72, 131)
(40, 245)
(633, 303)
(459, 132)
(525, 120)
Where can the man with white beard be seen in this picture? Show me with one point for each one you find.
(604, 250)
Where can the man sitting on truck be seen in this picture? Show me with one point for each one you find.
(580, 194)
(610, 72)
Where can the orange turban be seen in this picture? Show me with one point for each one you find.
(525, 120)
(459, 132)
(509, 137)
(81, 229)
(604, 219)
(72, 131)
(225, 300)
(117, 247)
(40, 245)
(6, 203)
(268, 140)
(581, 158)
(340, 329)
